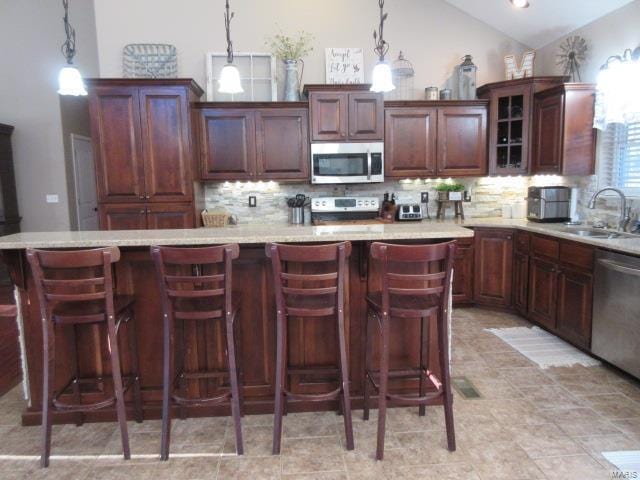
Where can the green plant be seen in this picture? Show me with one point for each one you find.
(287, 47)
(450, 187)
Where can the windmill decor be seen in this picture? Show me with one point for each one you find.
(571, 56)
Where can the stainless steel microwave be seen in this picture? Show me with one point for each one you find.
(347, 162)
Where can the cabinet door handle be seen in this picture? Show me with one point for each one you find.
(508, 237)
(147, 196)
(141, 197)
(142, 211)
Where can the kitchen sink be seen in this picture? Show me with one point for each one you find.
(596, 233)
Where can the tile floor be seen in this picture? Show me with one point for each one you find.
(529, 424)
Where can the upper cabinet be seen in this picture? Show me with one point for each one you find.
(142, 139)
(341, 113)
(428, 139)
(252, 141)
(510, 122)
(564, 140)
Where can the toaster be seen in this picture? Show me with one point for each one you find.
(409, 212)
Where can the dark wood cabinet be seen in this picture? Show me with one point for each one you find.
(9, 216)
(543, 279)
(462, 288)
(339, 113)
(166, 144)
(510, 122)
(142, 216)
(564, 140)
(520, 282)
(493, 267)
(410, 142)
(366, 116)
(282, 143)
(123, 216)
(227, 144)
(575, 294)
(143, 146)
(253, 141)
(115, 131)
(428, 139)
(462, 141)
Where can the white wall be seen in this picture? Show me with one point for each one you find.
(431, 33)
(609, 35)
(31, 33)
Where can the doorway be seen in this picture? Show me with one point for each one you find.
(85, 182)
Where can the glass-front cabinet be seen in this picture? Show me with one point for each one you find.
(510, 122)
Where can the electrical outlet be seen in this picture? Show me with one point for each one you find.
(52, 198)
(252, 201)
(424, 197)
(466, 196)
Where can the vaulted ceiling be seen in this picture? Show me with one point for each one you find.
(543, 22)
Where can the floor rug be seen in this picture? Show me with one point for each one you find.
(542, 347)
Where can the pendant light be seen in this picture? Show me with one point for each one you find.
(229, 81)
(381, 79)
(69, 79)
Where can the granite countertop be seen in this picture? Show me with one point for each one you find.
(261, 233)
(243, 234)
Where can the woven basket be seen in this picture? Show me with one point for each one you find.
(214, 219)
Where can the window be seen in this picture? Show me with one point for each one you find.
(619, 158)
(257, 75)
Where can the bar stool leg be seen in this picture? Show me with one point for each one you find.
(239, 363)
(424, 336)
(167, 386)
(75, 386)
(47, 392)
(366, 386)
(235, 394)
(382, 391)
(117, 384)
(443, 346)
(135, 367)
(344, 379)
(281, 359)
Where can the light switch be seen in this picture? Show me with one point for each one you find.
(252, 201)
(52, 198)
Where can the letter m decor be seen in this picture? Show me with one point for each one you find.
(513, 72)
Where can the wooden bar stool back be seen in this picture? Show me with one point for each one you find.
(411, 296)
(196, 286)
(309, 295)
(74, 289)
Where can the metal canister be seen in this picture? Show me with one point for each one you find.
(296, 215)
(445, 94)
(431, 93)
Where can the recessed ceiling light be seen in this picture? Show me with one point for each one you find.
(520, 3)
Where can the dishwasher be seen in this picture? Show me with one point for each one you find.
(616, 311)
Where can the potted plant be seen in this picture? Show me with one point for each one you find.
(445, 189)
(291, 49)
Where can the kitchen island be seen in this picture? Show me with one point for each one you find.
(311, 342)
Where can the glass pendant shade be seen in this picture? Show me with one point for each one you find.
(70, 82)
(382, 80)
(229, 81)
(617, 93)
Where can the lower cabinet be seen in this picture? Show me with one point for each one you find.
(493, 267)
(520, 282)
(542, 292)
(575, 293)
(463, 272)
(140, 216)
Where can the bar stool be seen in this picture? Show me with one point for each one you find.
(195, 285)
(75, 289)
(317, 295)
(411, 296)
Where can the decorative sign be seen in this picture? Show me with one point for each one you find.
(512, 72)
(457, 196)
(344, 65)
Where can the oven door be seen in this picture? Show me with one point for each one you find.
(347, 162)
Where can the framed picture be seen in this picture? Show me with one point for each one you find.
(257, 75)
(344, 65)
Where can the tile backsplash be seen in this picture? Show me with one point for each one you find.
(488, 194)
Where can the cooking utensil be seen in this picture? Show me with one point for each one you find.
(300, 199)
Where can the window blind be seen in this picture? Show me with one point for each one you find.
(619, 158)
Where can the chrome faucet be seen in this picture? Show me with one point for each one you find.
(624, 213)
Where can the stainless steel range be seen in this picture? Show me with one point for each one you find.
(329, 209)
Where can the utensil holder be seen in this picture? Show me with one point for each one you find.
(296, 215)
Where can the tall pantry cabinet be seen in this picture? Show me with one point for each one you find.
(144, 152)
